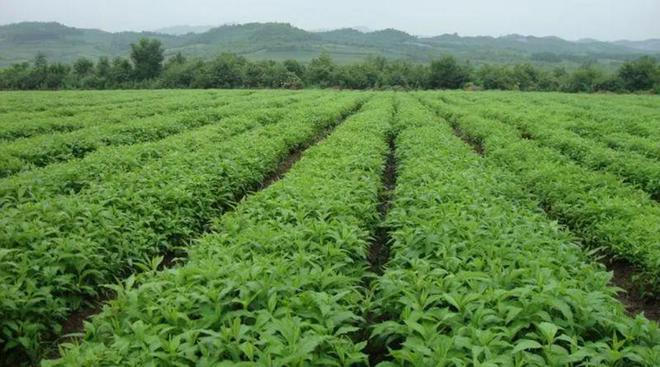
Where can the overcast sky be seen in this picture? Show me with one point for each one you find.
(571, 19)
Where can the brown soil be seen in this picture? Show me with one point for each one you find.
(379, 246)
(379, 252)
(283, 168)
(476, 146)
(632, 297)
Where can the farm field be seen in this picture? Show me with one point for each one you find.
(330, 228)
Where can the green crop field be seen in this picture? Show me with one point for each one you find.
(329, 228)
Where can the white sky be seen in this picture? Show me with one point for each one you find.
(600, 19)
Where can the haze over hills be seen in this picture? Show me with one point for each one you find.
(22, 41)
(179, 30)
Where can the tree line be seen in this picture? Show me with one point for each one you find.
(146, 67)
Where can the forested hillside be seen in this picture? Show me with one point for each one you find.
(278, 41)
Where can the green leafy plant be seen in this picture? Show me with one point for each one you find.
(479, 276)
(275, 283)
(597, 207)
(68, 246)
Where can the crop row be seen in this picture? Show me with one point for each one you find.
(627, 142)
(57, 252)
(479, 276)
(602, 115)
(624, 133)
(276, 284)
(638, 112)
(596, 206)
(43, 102)
(618, 131)
(63, 103)
(590, 116)
(631, 167)
(42, 150)
(77, 175)
(26, 124)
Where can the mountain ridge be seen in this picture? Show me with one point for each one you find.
(179, 30)
(20, 42)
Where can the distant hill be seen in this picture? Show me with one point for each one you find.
(180, 30)
(652, 45)
(22, 41)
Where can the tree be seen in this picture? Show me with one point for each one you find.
(419, 77)
(358, 76)
(56, 74)
(177, 59)
(225, 71)
(103, 67)
(496, 77)
(281, 77)
(257, 74)
(321, 71)
(584, 79)
(15, 77)
(526, 76)
(121, 72)
(36, 78)
(291, 81)
(396, 74)
(641, 74)
(446, 73)
(83, 67)
(179, 72)
(610, 83)
(147, 57)
(293, 66)
(548, 81)
(40, 61)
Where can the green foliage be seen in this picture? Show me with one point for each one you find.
(147, 57)
(641, 74)
(601, 210)
(278, 41)
(127, 127)
(584, 79)
(478, 276)
(503, 204)
(534, 123)
(275, 283)
(496, 77)
(322, 71)
(229, 70)
(74, 175)
(83, 67)
(225, 71)
(446, 73)
(78, 241)
(121, 72)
